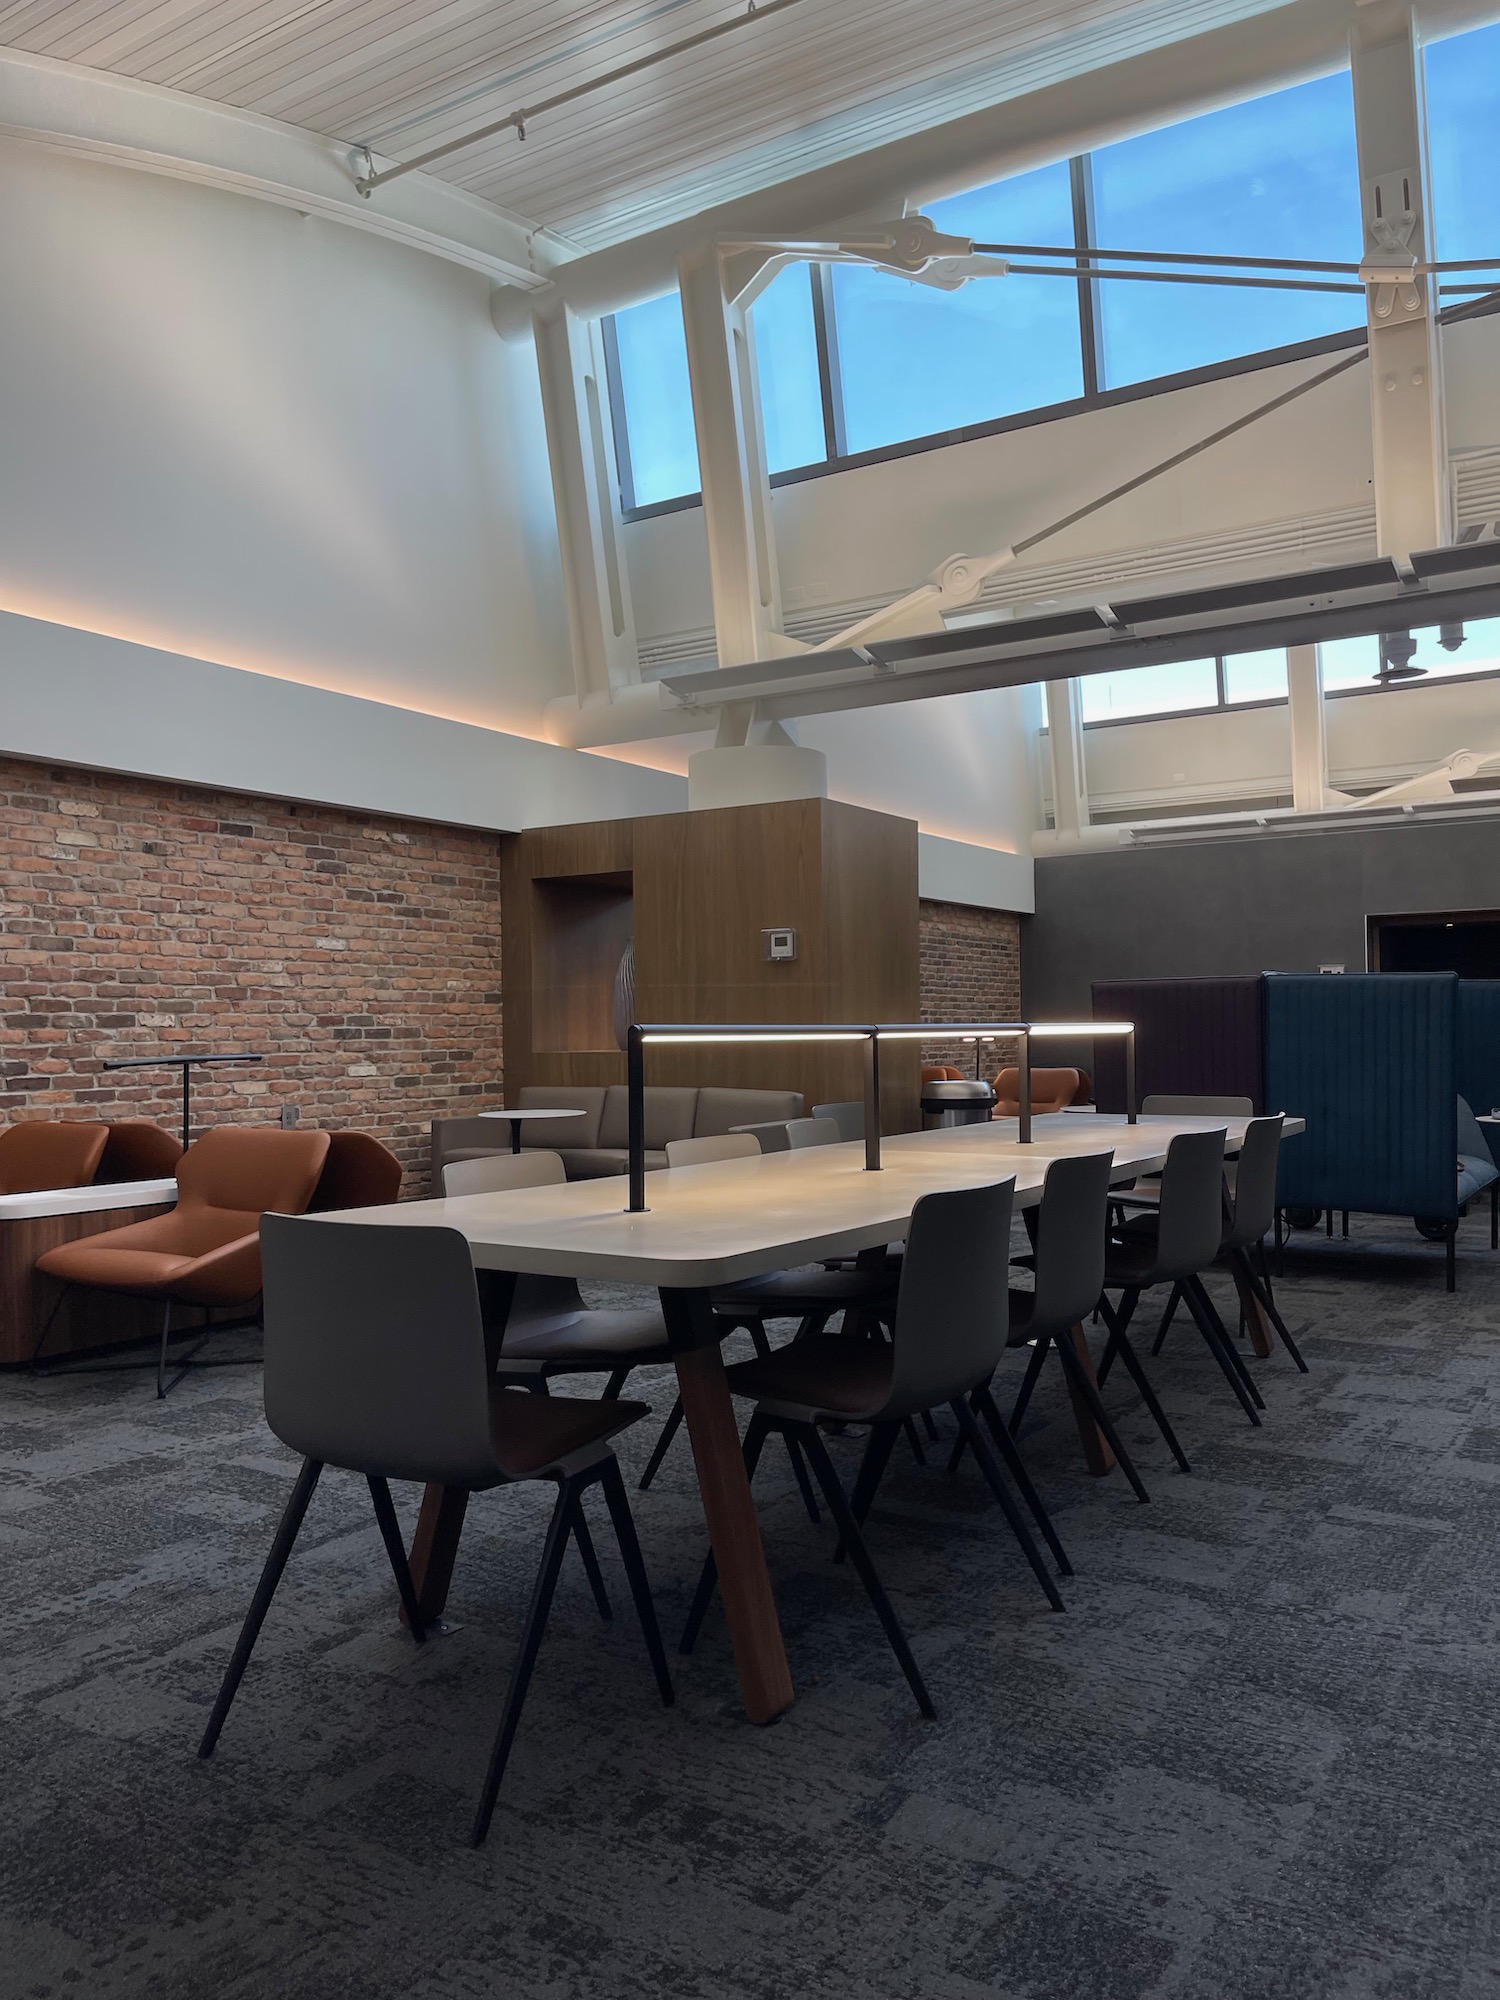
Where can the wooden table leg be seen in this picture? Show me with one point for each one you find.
(1256, 1318)
(1100, 1459)
(435, 1545)
(733, 1525)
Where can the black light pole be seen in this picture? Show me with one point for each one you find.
(186, 1064)
(635, 1085)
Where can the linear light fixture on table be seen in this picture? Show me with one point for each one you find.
(871, 1035)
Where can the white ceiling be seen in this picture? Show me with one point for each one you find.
(826, 79)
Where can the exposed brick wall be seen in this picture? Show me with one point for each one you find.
(360, 954)
(970, 971)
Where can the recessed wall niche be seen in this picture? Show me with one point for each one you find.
(580, 927)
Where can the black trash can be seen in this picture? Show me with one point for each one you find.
(956, 1103)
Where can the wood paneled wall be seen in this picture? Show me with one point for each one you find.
(703, 886)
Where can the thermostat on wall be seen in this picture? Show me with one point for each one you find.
(779, 943)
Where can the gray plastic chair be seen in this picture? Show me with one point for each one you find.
(1171, 1244)
(1068, 1231)
(849, 1117)
(707, 1152)
(547, 1329)
(376, 1363)
(801, 1132)
(949, 1333)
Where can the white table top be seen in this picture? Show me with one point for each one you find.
(535, 1111)
(86, 1200)
(716, 1224)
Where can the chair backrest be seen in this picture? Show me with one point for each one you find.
(1190, 1220)
(137, 1150)
(771, 1138)
(802, 1132)
(1070, 1240)
(251, 1169)
(669, 1111)
(375, 1356)
(721, 1109)
(358, 1173)
(717, 1146)
(1051, 1090)
(849, 1117)
(1162, 1105)
(499, 1171)
(953, 1302)
(1254, 1204)
(45, 1154)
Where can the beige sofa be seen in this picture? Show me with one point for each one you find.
(598, 1142)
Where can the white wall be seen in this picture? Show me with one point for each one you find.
(263, 439)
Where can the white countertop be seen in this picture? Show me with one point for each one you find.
(716, 1224)
(86, 1200)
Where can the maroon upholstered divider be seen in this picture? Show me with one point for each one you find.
(1193, 1038)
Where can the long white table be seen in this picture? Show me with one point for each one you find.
(714, 1225)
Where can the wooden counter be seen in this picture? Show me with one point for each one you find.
(33, 1223)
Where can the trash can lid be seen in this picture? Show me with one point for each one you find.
(942, 1095)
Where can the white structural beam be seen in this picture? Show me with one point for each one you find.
(1304, 685)
(586, 493)
(1070, 784)
(142, 126)
(731, 462)
(1412, 509)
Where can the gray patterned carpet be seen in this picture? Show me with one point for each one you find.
(1255, 1760)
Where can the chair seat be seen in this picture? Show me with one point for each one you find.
(1131, 1257)
(830, 1375)
(531, 1433)
(788, 1294)
(570, 1339)
(234, 1278)
(1474, 1175)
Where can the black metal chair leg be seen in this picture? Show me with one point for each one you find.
(1081, 1381)
(1450, 1245)
(1118, 1321)
(804, 1483)
(589, 1559)
(1166, 1320)
(395, 1548)
(161, 1359)
(662, 1446)
(635, 1572)
(1228, 1361)
(910, 1431)
(1209, 1311)
(57, 1305)
(961, 1443)
(1120, 1341)
(260, 1604)
(878, 1448)
(838, 1506)
(1262, 1291)
(1494, 1216)
(1028, 1384)
(988, 1464)
(615, 1384)
(1005, 1447)
(756, 1433)
(520, 1674)
(929, 1426)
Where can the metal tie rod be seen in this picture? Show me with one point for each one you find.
(758, 10)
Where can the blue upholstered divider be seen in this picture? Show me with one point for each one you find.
(1478, 1062)
(1193, 1038)
(1368, 1059)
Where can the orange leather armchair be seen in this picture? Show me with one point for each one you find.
(358, 1173)
(137, 1150)
(50, 1155)
(207, 1251)
(1051, 1090)
(939, 1073)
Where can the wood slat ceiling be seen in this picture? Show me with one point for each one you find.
(818, 83)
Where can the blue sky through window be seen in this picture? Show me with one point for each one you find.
(916, 361)
(1277, 177)
(1463, 121)
(658, 400)
(786, 354)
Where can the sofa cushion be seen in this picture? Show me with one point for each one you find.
(593, 1163)
(720, 1110)
(556, 1133)
(669, 1113)
(1474, 1174)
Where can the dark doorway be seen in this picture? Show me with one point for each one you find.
(1466, 942)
